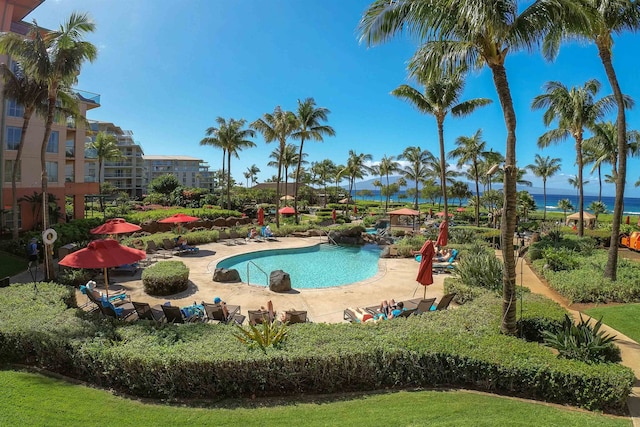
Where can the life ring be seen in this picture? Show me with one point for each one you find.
(49, 236)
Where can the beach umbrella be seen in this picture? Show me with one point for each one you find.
(425, 269)
(441, 213)
(460, 209)
(115, 226)
(103, 254)
(287, 197)
(343, 201)
(260, 216)
(443, 234)
(333, 216)
(287, 210)
(178, 218)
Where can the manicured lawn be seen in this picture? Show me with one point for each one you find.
(624, 318)
(11, 264)
(31, 399)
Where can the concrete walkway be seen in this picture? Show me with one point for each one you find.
(630, 350)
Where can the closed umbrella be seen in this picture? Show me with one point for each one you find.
(355, 209)
(334, 215)
(430, 212)
(628, 220)
(260, 216)
(116, 226)
(443, 234)
(425, 270)
(103, 254)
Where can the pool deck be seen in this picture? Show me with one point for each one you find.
(395, 279)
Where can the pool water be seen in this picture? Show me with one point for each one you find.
(320, 266)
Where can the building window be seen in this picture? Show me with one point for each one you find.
(70, 148)
(69, 172)
(14, 109)
(8, 170)
(52, 146)
(52, 171)
(8, 218)
(13, 137)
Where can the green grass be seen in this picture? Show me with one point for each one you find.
(30, 399)
(624, 318)
(11, 265)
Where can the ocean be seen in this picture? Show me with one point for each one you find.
(631, 204)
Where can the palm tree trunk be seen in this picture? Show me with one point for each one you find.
(295, 191)
(415, 205)
(282, 148)
(14, 173)
(475, 168)
(229, 180)
(443, 166)
(386, 198)
(599, 183)
(508, 226)
(610, 269)
(544, 198)
(224, 157)
(48, 261)
(580, 187)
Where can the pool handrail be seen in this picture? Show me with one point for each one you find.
(329, 238)
(258, 267)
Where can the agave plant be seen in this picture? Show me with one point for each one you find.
(583, 341)
(269, 334)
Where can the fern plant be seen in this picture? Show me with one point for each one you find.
(582, 341)
(269, 334)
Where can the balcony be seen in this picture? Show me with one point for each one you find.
(88, 178)
(92, 99)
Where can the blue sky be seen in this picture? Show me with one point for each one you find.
(167, 69)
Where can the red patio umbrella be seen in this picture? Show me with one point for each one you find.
(628, 220)
(103, 254)
(441, 213)
(425, 270)
(460, 209)
(355, 209)
(334, 215)
(287, 210)
(443, 234)
(178, 219)
(116, 226)
(260, 216)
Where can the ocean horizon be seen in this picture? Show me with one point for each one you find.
(631, 204)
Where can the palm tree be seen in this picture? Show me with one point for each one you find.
(253, 172)
(31, 95)
(325, 170)
(277, 126)
(231, 137)
(469, 34)
(470, 149)
(286, 159)
(53, 58)
(565, 205)
(544, 167)
(416, 169)
(356, 168)
(387, 166)
(106, 148)
(597, 208)
(441, 96)
(309, 118)
(597, 21)
(575, 109)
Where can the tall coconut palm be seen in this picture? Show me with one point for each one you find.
(325, 170)
(31, 95)
(597, 21)
(106, 148)
(232, 137)
(416, 170)
(253, 172)
(53, 58)
(470, 150)
(277, 126)
(212, 141)
(356, 168)
(309, 127)
(441, 96)
(387, 166)
(285, 160)
(575, 109)
(565, 205)
(469, 34)
(544, 167)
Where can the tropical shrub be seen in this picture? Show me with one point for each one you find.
(583, 341)
(480, 268)
(74, 277)
(464, 293)
(268, 334)
(462, 235)
(559, 259)
(165, 278)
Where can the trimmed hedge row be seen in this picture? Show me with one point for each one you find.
(460, 348)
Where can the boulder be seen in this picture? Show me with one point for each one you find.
(220, 222)
(226, 275)
(279, 281)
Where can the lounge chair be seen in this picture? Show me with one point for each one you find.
(175, 315)
(266, 236)
(447, 266)
(257, 317)
(295, 316)
(118, 297)
(146, 312)
(445, 301)
(121, 312)
(131, 269)
(425, 305)
(214, 312)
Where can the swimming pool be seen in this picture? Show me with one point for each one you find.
(319, 266)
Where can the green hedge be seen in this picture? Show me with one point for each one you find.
(454, 348)
(166, 278)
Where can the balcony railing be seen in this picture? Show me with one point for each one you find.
(88, 178)
(89, 97)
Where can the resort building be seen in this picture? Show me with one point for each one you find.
(190, 171)
(65, 161)
(126, 174)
